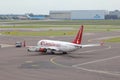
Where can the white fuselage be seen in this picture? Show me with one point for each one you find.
(59, 46)
(53, 46)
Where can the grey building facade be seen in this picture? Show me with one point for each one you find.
(79, 14)
(116, 12)
(62, 15)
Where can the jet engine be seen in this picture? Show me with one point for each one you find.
(42, 49)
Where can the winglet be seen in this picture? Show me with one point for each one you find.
(78, 38)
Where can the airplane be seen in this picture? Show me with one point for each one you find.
(53, 46)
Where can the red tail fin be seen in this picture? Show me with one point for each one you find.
(78, 37)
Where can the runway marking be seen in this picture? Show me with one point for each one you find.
(3, 46)
(89, 70)
(77, 66)
(29, 61)
(6, 45)
(95, 61)
(98, 71)
(52, 61)
(102, 38)
(109, 47)
(34, 65)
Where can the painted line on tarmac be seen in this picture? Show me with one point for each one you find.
(77, 66)
(96, 61)
(102, 38)
(52, 60)
(6, 45)
(28, 61)
(98, 71)
(108, 47)
(34, 65)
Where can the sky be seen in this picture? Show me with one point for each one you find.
(44, 6)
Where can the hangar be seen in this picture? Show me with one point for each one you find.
(79, 15)
(64, 15)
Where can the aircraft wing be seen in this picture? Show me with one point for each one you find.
(90, 45)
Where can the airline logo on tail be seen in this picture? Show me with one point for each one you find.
(78, 38)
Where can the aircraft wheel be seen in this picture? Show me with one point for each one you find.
(64, 52)
(52, 53)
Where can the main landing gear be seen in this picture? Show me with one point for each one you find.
(64, 52)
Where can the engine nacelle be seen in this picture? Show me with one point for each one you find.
(32, 49)
(43, 50)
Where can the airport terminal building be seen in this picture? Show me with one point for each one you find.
(78, 15)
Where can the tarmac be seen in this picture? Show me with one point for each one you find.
(96, 63)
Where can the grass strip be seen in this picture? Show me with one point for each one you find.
(116, 39)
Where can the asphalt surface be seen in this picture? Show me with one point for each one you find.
(96, 63)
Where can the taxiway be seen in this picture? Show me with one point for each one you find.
(97, 63)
